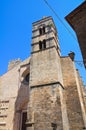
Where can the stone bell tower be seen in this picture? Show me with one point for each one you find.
(45, 108)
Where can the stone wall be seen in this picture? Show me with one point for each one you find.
(73, 104)
(14, 96)
(45, 105)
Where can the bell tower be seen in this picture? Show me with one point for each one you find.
(45, 53)
(46, 89)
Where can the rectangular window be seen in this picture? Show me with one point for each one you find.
(54, 126)
(42, 31)
(42, 44)
(24, 118)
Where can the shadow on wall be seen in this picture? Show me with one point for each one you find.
(21, 104)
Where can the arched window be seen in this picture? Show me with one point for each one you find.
(27, 78)
(42, 30)
(42, 44)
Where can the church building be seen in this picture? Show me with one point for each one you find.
(45, 91)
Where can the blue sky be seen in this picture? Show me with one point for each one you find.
(16, 18)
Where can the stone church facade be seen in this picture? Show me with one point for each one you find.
(45, 91)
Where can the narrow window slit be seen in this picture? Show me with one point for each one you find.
(44, 44)
(43, 30)
(24, 118)
(40, 31)
(40, 45)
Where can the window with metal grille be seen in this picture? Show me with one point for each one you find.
(54, 126)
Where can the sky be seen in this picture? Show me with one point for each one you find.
(16, 18)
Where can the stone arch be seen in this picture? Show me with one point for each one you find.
(25, 72)
(41, 29)
(25, 76)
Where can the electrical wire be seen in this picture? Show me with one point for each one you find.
(62, 24)
(59, 18)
